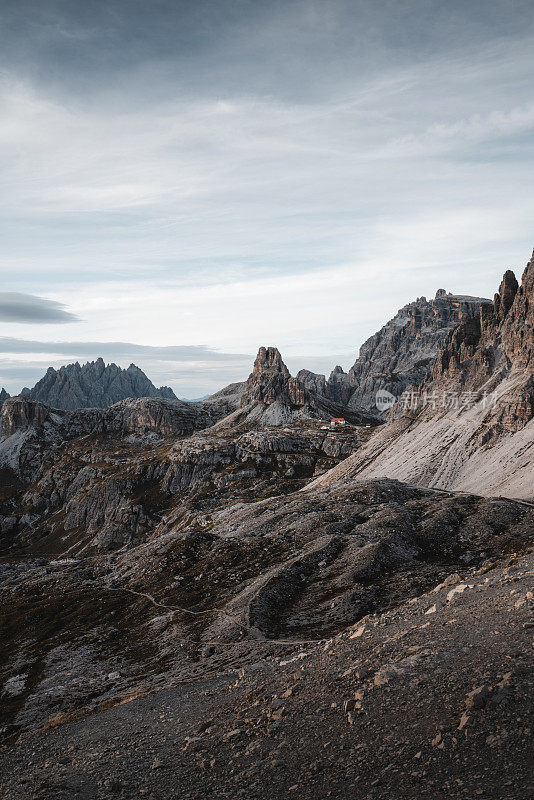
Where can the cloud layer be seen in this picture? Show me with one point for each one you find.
(19, 307)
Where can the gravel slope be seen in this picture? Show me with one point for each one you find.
(430, 700)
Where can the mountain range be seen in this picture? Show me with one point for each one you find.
(92, 385)
(402, 353)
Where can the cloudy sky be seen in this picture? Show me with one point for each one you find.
(185, 181)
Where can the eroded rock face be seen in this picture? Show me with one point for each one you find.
(94, 385)
(226, 400)
(270, 381)
(3, 396)
(475, 432)
(518, 327)
(28, 428)
(339, 388)
(20, 414)
(505, 297)
(312, 381)
(496, 343)
(403, 352)
(272, 397)
(113, 482)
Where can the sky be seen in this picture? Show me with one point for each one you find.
(182, 182)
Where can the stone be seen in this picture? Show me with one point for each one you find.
(404, 351)
(477, 698)
(233, 734)
(271, 396)
(479, 393)
(465, 720)
(460, 589)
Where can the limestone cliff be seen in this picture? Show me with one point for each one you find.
(403, 352)
(400, 354)
(273, 397)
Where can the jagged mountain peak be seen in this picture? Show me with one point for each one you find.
(94, 385)
(400, 354)
(269, 358)
(271, 381)
(502, 302)
(497, 340)
(273, 397)
(404, 351)
(470, 425)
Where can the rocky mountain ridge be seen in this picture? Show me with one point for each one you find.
(43, 447)
(272, 397)
(399, 355)
(470, 426)
(93, 385)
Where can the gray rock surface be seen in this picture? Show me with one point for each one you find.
(273, 397)
(401, 354)
(93, 385)
(471, 427)
(225, 400)
(270, 381)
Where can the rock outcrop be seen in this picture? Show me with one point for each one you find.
(93, 385)
(403, 352)
(312, 382)
(337, 388)
(28, 429)
(3, 396)
(470, 425)
(226, 400)
(273, 397)
(270, 381)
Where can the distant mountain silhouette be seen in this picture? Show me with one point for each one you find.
(93, 385)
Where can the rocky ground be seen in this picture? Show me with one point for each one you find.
(293, 636)
(431, 699)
